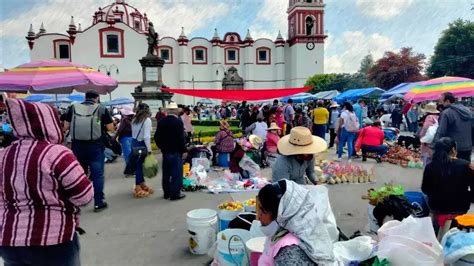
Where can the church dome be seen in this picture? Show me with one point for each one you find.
(120, 11)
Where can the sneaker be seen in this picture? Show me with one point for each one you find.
(101, 207)
(338, 159)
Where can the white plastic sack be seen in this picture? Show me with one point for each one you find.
(250, 166)
(198, 173)
(409, 242)
(430, 133)
(357, 249)
(324, 210)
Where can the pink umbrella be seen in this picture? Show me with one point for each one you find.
(54, 76)
(433, 88)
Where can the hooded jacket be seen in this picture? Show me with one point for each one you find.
(297, 213)
(455, 122)
(41, 182)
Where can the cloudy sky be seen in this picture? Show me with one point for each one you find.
(355, 27)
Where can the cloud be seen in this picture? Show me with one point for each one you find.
(168, 18)
(355, 45)
(270, 19)
(383, 9)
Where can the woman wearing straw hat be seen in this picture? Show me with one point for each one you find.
(431, 118)
(297, 159)
(271, 145)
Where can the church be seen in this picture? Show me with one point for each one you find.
(116, 39)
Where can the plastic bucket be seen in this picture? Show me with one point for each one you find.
(467, 260)
(417, 200)
(223, 159)
(231, 246)
(255, 248)
(225, 217)
(202, 229)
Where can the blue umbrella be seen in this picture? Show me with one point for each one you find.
(37, 97)
(120, 101)
(76, 97)
(59, 100)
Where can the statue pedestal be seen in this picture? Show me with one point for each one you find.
(152, 81)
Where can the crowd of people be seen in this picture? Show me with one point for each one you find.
(44, 183)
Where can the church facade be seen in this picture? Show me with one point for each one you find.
(116, 40)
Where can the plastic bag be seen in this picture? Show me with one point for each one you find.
(247, 164)
(199, 175)
(357, 249)
(409, 242)
(150, 166)
(430, 133)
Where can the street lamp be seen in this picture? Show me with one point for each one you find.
(108, 72)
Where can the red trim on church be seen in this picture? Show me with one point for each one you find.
(226, 62)
(269, 56)
(55, 44)
(121, 53)
(205, 56)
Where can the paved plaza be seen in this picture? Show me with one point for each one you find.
(152, 231)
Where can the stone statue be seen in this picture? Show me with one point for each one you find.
(152, 39)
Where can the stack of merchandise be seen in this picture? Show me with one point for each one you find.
(403, 156)
(336, 173)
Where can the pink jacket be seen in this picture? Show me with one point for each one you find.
(271, 249)
(272, 142)
(429, 121)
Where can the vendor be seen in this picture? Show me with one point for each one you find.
(448, 182)
(271, 149)
(372, 141)
(258, 128)
(295, 234)
(224, 141)
(297, 159)
(242, 146)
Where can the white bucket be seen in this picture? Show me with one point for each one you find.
(236, 254)
(202, 228)
(255, 247)
(225, 217)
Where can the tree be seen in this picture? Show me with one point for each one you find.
(395, 68)
(366, 64)
(340, 82)
(454, 52)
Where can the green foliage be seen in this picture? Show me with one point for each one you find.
(395, 68)
(366, 64)
(340, 82)
(209, 123)
(454, 52)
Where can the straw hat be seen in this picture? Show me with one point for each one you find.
(334, 105)
(300, 141)
(256, 141)
(172, 106)
(224, 124)
(273, 126)
(430, 108)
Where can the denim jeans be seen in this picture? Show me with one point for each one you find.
(172, 174)
(65, 254)
(380, 150)
(91, 157)
(138, 162)
(346, 136)
(126, 143)
(320, 131)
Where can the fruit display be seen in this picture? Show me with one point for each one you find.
(231, 206)
(336, 173)
(402, 156)
(377, 196)
(250, 202)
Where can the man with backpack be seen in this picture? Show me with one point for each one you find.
(87, 123)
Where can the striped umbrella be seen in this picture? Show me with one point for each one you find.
(54, 76)
(433, 88)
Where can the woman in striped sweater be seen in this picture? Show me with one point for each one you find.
(42, 186)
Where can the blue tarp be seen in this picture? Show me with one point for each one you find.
(57, 101)
(326, 95)
(401, 88)
(120, 101)
(299, 98)
(355, 94)
(77, 97)
(37, 97)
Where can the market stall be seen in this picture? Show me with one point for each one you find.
(401, 89)
(326, 95)
(430, 90)
(356, 94)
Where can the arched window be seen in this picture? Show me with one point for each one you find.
(309, 26)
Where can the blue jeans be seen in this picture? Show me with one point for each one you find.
(126, 143)
(138, 162)
(380, 150)
(346, 136)
(320, 131)
(91, 157)
(65, 254)
(172, 174)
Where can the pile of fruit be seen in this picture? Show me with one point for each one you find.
(336, 173)
(402, 156)
(231, 206)
(250, 202)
